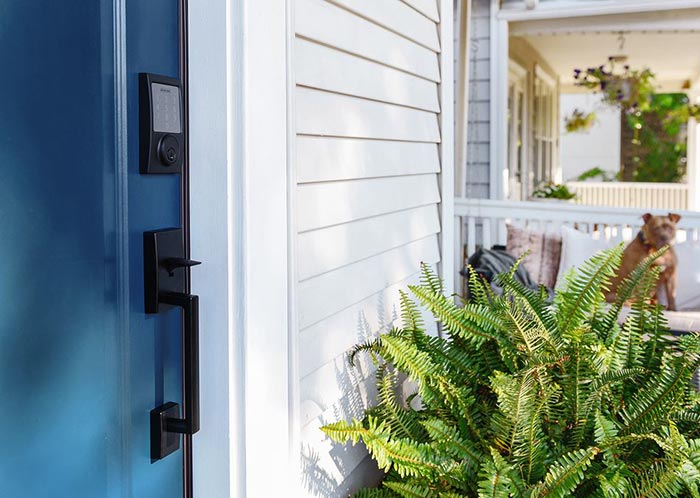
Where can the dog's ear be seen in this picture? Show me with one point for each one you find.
(646, 217)
(674, 217)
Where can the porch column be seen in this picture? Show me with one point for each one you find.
(693, 175)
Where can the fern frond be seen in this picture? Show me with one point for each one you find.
(480, 291)
(658, 482)
(410, 313)
(405, 456)
(654, 403)
(516, 398)
(659, 339)
(531, 448)
(452, 442)
(535, 305)
(498, 479)
(430, 279)
(686, 416)
(605, 429)
(403, 422)
(584, 290)
(634, 286)
(407, 490)
(407, 357)
(375, 493)
(526, 334)
(629, 349)
(473, 322)
(604, 386)
(567, 473)
(342, 431)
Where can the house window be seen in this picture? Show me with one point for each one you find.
(545, 129)
(517, 132)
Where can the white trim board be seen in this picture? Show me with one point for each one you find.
(215, 237)
(446, 119)
(240, 230)
(667, 20)
(578, 8)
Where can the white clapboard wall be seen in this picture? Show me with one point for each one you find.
(367, 118)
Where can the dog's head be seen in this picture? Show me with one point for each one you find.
(659, 231)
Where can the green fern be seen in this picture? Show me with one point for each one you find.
(523, 397)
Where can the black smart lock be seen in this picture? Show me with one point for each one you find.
(162, 133)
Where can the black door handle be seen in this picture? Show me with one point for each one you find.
(165, 268)
(189, 423)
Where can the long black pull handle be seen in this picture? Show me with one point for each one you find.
(189, 423)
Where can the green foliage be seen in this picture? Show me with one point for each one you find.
(554, 191)
(579, 120)
(524, 397)
(596, 172)
(653, 141)
(657, 152)
(628, 89)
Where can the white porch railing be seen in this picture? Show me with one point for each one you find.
(482, 222)
(672, 196)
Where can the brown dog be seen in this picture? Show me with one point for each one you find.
(657, 232)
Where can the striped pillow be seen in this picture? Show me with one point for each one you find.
(545, 252)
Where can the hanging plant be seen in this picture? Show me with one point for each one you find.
(656, 120)
(579, 121)
(629, 89)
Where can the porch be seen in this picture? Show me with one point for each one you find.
(483, 223)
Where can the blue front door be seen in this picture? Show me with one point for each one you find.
(81, 364)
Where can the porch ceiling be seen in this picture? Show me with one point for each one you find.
(672, 54)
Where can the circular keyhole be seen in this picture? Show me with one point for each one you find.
(168, 150)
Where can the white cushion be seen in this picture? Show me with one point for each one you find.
(688, 288)
(577, 248)
(678, 321)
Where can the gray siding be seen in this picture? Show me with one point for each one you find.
(477, 174)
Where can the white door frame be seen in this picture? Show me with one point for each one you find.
(557, 12)
(241, 226)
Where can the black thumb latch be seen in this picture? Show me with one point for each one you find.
(172, 264)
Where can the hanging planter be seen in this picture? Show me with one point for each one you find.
(631, 90)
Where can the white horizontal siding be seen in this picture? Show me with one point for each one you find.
(428, 8)
(325, 204)
(333, 337)
(366, 203)
(378, 234)
(331, 292)
(326, 464)
(331, 114)
(327, 69)
(398, 17)
(321, 159)
(323, 22)
(346, 390)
